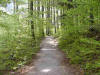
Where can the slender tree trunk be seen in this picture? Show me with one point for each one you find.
(31, 15)
(48, 16)
(91, 16)
(14, 2)
(42, 19)
(16, 6)
(55, 20)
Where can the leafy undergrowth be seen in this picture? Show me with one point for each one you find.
(82, 50)
(17, 45)
(17, 54)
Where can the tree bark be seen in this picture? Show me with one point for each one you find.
(91, 16)
(31, 15)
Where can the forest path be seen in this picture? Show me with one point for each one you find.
(50, 61)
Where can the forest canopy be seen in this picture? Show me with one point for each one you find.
(75, 23)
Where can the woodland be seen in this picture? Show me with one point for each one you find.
(74, 23)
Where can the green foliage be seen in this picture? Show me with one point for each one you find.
(79, 32)
(17, 44)
(81, 50)
(78, 38)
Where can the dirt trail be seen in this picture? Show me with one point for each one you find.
(50, 61)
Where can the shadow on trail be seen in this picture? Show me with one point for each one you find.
(50, 61)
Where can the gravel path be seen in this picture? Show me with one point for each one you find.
(50, 61)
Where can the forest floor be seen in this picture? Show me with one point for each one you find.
(50, 61)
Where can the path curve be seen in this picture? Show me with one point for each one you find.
(50, 61)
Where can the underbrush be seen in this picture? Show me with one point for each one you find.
(17, 45)
(81, 50)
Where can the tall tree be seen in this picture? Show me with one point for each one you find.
(31, 16)
(48, 16)
(42, 5)
(15, 2)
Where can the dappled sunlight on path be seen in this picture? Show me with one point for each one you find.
(50, 61)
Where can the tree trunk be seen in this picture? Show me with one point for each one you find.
(69, 4)
(91, 16)
(42, 20)
(31, 15)
(14, 2)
